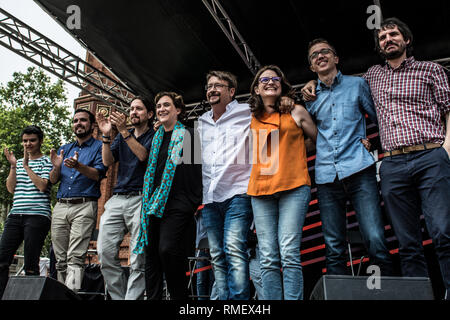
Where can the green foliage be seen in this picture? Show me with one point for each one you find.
(31, 99)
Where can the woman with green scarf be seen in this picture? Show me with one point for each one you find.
(171, 194)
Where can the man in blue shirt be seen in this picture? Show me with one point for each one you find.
(344, 169)
(78, 165)
(123, 210)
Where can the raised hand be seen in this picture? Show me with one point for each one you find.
(119, 120)
(10, 157)
(72, 162)
(104, 124)
(26, 157)
(56, 159)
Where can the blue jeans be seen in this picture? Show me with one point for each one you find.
(227, 224)
(255, 271)
(411, 184)
(279, 221)
(362, 190)
(205, 278)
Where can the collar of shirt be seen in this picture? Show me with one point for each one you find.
(337, 80)
(405, 64)
(229, 108)
(87, 143)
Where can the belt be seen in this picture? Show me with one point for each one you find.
(77, 200)
(130, 193)
(405, 150)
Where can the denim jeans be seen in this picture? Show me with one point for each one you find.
(411, 184)
(205, 278)
(255, 271)
(279, 221)
(362, 190)
(227, 224)
(32, 229)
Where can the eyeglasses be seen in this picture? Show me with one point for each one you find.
(325, 51)
(215, 86)
(267, 79)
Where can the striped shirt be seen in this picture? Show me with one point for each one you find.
(411, 102)
(27, 198)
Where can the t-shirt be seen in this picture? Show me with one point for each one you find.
(27, 197)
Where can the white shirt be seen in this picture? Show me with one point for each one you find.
(226, 163)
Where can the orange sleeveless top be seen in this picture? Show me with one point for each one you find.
(278, 155)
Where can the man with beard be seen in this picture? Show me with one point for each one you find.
(227, 213)
(122, 211)
(412, 100)
(78, 165)
(413, 105)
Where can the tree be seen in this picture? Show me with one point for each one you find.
(31, 98)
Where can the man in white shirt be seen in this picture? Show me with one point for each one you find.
(227, 215)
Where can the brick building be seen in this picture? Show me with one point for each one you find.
(91, 103)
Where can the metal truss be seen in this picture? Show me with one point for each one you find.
(35, 47)
(229, 29)
(194, 110)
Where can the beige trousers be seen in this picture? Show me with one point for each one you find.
(72, 226)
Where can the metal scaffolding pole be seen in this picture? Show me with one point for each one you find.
(229, 29)
(35, 47)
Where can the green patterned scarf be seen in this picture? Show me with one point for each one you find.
(154, 200)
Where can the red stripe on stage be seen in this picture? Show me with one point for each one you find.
(199, 270)
(322, 246)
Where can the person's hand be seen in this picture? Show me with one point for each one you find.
(446, 147)
(119, 120)
(286, 104)
(366, 144)
(156, 125)
(26, 157)
(10, 157)
(104, 124)
(309, 91)
(56, 159)
(72, 162)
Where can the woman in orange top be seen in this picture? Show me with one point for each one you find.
(279, 183)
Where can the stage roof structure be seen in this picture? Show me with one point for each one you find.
(157, 45)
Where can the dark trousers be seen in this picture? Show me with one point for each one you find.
(412, 184)
(31, 229)
(362, 190)
(170, 240)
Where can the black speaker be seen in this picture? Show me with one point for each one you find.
(37, 288)
(337, 287)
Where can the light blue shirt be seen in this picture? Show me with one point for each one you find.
(339, 112)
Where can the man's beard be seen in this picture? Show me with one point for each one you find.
(137, 123)
(214, 102)
(394, 54)
(84, 134)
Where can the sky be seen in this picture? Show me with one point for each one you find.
(31, 14)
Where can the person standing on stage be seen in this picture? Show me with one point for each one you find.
(123, 210)
(30, 216)
(79, 168)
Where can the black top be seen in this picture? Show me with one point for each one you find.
(130, 176)
(186, 191)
